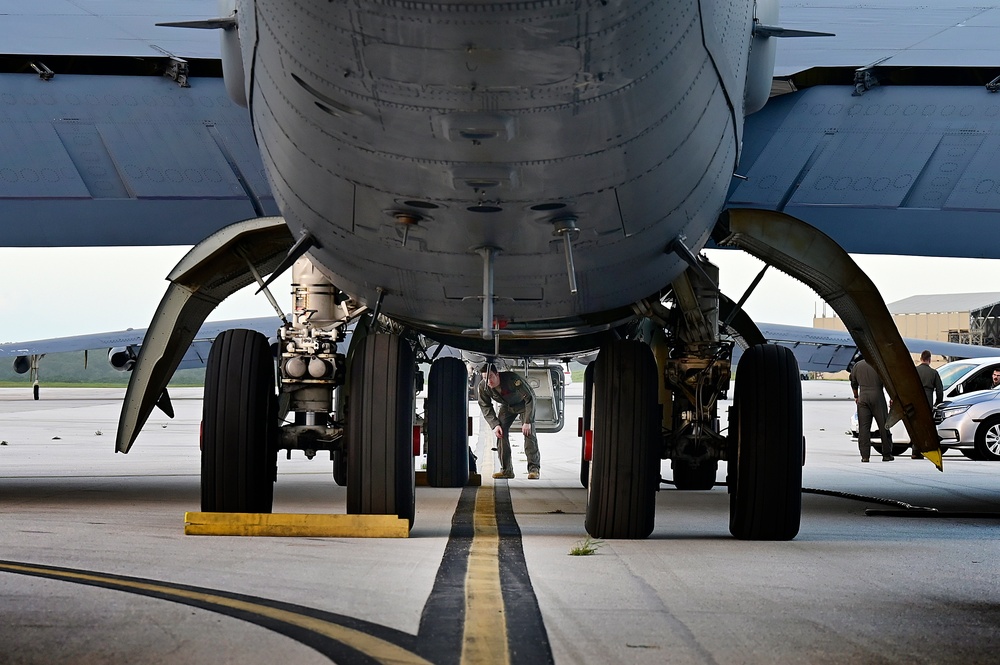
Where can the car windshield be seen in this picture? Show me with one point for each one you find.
(952, 372)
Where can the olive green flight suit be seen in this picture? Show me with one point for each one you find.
(516, 399)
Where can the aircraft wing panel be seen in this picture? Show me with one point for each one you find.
(894, 32)
(124, 160)
(72, 343)
(196, 357)
(107, 28)
(899, 170)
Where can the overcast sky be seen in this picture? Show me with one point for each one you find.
(55, 292)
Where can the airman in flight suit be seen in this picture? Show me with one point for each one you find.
(515, 398)
(868, 395)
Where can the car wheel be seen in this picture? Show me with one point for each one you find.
(988, 439)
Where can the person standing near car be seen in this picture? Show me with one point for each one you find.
(870, 398)
(933, 388)
(931, 380)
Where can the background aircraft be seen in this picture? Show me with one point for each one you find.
(123, 346)
(536, 183)
(818, 350)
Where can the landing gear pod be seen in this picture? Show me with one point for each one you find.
(760, 67)
(232, 57)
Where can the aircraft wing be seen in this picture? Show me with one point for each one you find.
(196, 355)
(819, 350)
(888, 32)
(109, 28)
(887, 138)
(104, 152)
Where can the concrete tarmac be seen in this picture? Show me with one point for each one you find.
(95, 567)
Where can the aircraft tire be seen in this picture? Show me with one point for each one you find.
(339, 459)
(239, 455)
(690, 477)
(765, 465)
(379, 428)
(988, 440)
(625, 469)
(588, 414)
(34, 392)
(447, 416)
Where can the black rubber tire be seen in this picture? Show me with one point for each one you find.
(897, 448)
(339, 459)
(34, 391)
(689, 477)
(239, 455)
(988, 439)
(446, 411)
(625, 469)
(765, 465)
(379, 428)
(588, 414)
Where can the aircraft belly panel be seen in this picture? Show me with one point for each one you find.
(370, 131)
(450, 162)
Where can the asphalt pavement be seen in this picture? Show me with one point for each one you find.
(95, 566)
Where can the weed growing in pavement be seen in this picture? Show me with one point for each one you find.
(586, 547)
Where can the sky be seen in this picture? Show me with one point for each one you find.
(55, 292)
(782, 299)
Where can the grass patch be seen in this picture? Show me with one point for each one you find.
(586, 547)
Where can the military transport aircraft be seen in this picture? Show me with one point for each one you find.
(522, 179)
(123, 346)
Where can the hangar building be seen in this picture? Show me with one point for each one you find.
(966, 318)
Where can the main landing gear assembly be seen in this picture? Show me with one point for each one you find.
(352, 394)
(340, 378)
(654, 396)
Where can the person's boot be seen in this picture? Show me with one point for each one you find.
(501, 474)
(533, 475)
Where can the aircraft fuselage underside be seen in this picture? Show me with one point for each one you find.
(423, 135)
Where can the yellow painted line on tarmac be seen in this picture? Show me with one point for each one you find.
(485, 635)
(295, 524)
(373, 647)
